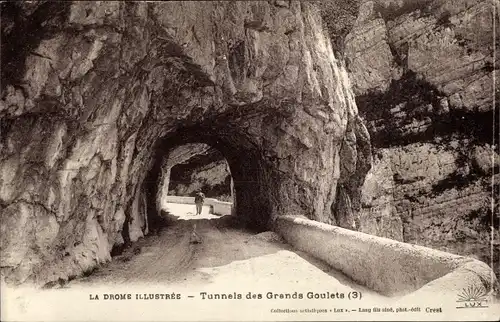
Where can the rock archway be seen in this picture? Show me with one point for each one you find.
(91, 104)
(252, 173)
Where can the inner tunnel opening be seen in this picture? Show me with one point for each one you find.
(191, 169)
(242, 179)
(205, 170)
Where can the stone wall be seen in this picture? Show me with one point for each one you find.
(217, 207)
(384, 265)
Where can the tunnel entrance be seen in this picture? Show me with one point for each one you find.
(244, 185)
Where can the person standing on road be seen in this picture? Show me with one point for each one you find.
(199, 198)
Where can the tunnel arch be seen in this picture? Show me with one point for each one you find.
(247, 165)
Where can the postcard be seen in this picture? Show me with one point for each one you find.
(250, 160)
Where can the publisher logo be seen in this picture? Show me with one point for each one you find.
(472, 297)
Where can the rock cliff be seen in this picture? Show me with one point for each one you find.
(96, 94)
(422, 72)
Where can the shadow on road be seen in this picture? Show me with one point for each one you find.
(223, 250)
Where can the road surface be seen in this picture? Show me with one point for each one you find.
(203, 250)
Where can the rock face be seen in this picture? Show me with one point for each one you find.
(96, 94)
(422, 72)
(208, 171)
(446, 45)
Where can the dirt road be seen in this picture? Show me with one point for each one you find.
(224, 256)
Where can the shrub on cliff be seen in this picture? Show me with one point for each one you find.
(338, 18)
